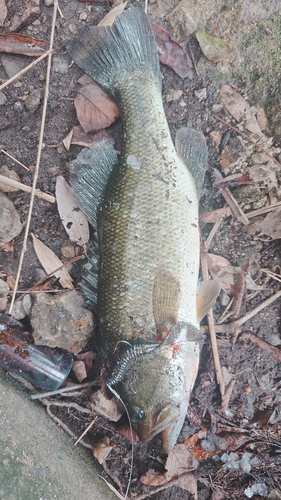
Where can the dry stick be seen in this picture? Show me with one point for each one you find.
(211, 323)
(14, 159)
(264, 210)
(27, 68)
(234, 327)
(265, 346)
(212, 233)
(86, 430)
(64, 389)
(248, 138)
(36, 172)
(230, 200)
(27, 189)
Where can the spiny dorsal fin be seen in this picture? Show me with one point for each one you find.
(89, 174)
(207, 293)
(165, 297)
(192, 148)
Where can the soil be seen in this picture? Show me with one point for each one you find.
(256, 393)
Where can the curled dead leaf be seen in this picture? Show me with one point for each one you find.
(102, 450)
(153, 478)
(271, 224)
(79, 370)
(74, 220)
(51, 262)
(172, 54)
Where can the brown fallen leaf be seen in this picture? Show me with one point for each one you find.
(239, 300)
(213, 216)
(87, 358)
(266, 175)
(271, 224)
(79, 370)
(213, 48)
(80, 138)
(228, 383)
(95, 109)
(240, 109)
(129, 434)
(50, 262)
(74, 220)
(3, 12)
(109, 19)
(153, 478)
(108, 408)
(7, 247)
(15, 43)
(180, 462)
(102, 450)
(172, 54)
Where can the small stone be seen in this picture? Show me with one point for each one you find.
(72, 28)
(61, 321)
(17, 85)
(83, 16)
(18, 106)
(37, 22)
(4, 288)
(10, 224)
(32, 102)
(173, 95)
(216, 108)
(201, 94)
(10, 174)
(3, 99)
(60, 65)
(18, 311)
(68, 250)
(48, 3)
(182, 103)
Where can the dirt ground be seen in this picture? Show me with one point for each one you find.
(254, 408)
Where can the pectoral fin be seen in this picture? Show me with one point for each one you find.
(191, 146)
(207, 293)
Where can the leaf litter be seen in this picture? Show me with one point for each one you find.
(256, 114)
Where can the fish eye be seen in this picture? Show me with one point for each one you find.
(138, 413)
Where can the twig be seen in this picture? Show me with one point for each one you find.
(27, 189)
(65, 404)
(14, 159)
(27, 68)
(121, 497)
(64, 389)
(113, 477)
(265, 346)
(86, 430)
(212, 233)
(263, 210)
(234, 327)
(248, 138)
(272, 275)
(230, 200)
(193, 61)
(36, 172)
(211, 323)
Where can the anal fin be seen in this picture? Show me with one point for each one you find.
(207, 293)
(192, 148)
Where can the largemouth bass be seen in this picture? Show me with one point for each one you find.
(144, 206)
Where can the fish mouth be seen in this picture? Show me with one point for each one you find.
(162, 417)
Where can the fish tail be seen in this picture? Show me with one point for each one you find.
(113, 55)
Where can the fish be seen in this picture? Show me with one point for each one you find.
(143, 268)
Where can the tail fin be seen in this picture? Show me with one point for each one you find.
(111, 55)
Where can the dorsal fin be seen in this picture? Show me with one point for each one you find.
(207, 293)
(192, 148)
(165, 297)
(89, 174)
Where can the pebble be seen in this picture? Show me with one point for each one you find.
(48, 3)
(32, 101)
(4, 288)
(60, 65)
(68, 250)
(201, 94)
(10, 174)
(83, 16)
(18, 106)
(173, 95)
(61, 321)
(10, 224)
(3, 99)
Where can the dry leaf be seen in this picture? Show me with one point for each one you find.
(95, 109)
(215, 215)
(228, 384)
(172, 54)
(267, 175)
(240, 109)
(153, 478)
(67, 140)
(50, 262)
(213, 48)
(80, 138)
(109, 19)
(3, 12)
(79, 370)
(74, 220)
(102, 450)
(271, 224)
(129, 434)
(108, 408)
(15, 43)
(233, 180)
(7, 247)
(21, 13)
(87, 358)
(221, 269)
(181, 461)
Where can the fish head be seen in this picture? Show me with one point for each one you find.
(157, 388)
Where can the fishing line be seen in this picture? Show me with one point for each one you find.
(118, 397)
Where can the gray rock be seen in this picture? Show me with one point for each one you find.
(10, 174)
(61, 321)
(4, 288)
(60, 65)
(3, 99)
(10, 224)
(18, 106)
(38, 459)
(13, 64)
(32, 102)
